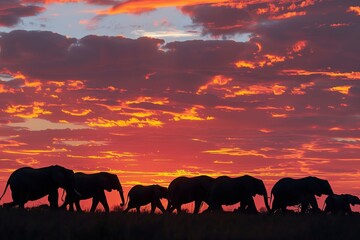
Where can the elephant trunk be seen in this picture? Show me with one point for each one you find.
(266, 202)
(262, 191)
(121, 192)
(329, 189)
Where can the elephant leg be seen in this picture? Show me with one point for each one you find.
(159, 205)
(64, 205)
(127, 209)
(178, 208)
(347, 209)
(53, 198)
(314, 204)
(215, 208)
(103, 201)
(130, 206)
(10, 205)
(21, 205)
(78, 207)
(250, 205)
(153, 207)
(244, 204)
(170, 208)
(304, 207)
(19, 199)
(197, 206)
(241, 208)
(276, 206)
(94, 204)
(327, 209)
(71, 207)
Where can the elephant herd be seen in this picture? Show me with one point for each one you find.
(31, 184)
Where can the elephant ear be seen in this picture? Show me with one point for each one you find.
(62, 178)
(115, 183)
(59, 177)
(107, 182)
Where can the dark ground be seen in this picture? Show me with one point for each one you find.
(53, 225)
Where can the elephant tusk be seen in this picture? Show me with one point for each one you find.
(77, 192)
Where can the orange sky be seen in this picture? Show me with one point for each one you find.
(264, 88)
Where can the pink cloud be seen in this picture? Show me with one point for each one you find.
(284, 103)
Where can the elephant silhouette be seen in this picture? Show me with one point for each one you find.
(140, 195)
(184, 190)
(228, 191)
(29, 184)
(340, 204)
(93, 186)
(291, 192)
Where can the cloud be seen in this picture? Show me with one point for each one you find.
(141, 6)
(291, 29)
(72, 58)
(11, 12)
(272, 106)
(235, 152)
(97, 2)
(37, 124)
(165, 34)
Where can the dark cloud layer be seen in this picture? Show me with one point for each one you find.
(328, 28)
(11, 12)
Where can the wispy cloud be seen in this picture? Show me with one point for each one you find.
(165, 34)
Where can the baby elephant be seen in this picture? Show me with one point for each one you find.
(142, 195)
(336, 204)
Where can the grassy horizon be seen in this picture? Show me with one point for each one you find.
(62, 225)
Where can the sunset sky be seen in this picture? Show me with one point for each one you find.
(155, 89)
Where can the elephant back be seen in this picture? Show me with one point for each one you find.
(283, 185)
(179, 187)
(224, 190)
(85, 184)
(184, 189)
(141, 194)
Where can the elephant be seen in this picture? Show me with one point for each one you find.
(28, 184)
(291, 192)
(184, 190)
(228, 191)
(142, 195)
(340, 204)
(93, 186)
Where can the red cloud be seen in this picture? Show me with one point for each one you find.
(283, 103)
(140, 6)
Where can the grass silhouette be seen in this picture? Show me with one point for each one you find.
(61, 225)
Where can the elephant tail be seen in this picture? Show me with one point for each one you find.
(7, 185)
